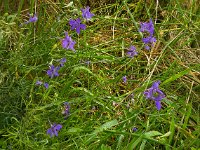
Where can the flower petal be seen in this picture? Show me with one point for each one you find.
(158, 105)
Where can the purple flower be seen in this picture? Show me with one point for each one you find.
(124, 79)
(46, 85)
(132, 51)
(62, 61)
(76, 24)
(38, 82)
(154, 93)
(149, 39)
(147, 27)
(54, 129)
(33, 18)
(147, 47)
(134, 129)
(66, 109)
(53, 71)
(68, 43)
(86, 14)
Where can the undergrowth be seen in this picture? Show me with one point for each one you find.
(105, 112)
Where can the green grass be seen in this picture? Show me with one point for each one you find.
(102, 112)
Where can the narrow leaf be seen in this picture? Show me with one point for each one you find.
(176, 76)
(132, 145)
(152, 133)
(74, 130)
(106, 125)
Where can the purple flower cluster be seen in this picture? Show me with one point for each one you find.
(75, 24)
(149, 40)
(53, 71)
(148, 27)
(53, 130)
(67, 43)
(154, 93)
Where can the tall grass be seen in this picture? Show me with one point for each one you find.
(103, 109)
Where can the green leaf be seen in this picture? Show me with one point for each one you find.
(78, 89)
(195, 148)
(152, 133)
(132, 145)
(176, 76)
(84, 69)
(120, 140)
(75, 130)
(81, 68)
(165, 135)
(103, 127)
(172, 130)
(142, 146)
(106, 126)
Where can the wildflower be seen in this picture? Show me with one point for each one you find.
(76, 24)
(54, 129)
(33, 18)
(132, 51)
(147, 47)
(62, 61)
(147, 27)
(154, 93)
(66, 109)
(46, 85)
(134, 129)
(68, 43)
(149, 39)
(124, 79)
(53, 71)
(38, 82)
(86, 14)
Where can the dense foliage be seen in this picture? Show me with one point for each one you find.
(100, 74)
